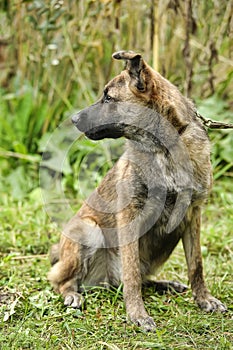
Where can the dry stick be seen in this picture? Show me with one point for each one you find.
(155, 34)
(31, 158)
(189, 29)
(22, 257)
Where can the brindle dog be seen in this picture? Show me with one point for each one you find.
(147, 202)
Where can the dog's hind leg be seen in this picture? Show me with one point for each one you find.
(81, 238)
(64, 274)
(54, 253)
(164, 286)
(191, 243)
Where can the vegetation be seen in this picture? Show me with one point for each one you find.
(55, 57)
(33, 317)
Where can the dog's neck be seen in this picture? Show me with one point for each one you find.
(159, 135)
(144, 142)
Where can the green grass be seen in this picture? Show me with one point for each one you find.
(33, 317)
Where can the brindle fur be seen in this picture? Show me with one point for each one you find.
(89, 254)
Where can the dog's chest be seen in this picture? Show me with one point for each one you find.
(161, 171)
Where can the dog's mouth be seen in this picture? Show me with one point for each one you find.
(113, 131)
(87, 122)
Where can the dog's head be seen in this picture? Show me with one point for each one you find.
(137, 87)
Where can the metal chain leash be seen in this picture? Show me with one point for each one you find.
(212, 124)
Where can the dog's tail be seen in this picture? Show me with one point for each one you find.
(54, 253)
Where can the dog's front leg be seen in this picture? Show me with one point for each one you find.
(192, 247)
(132, 286)
(131, 223)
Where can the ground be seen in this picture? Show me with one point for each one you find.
(33, 316)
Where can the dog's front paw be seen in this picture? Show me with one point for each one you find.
(211, 304)
(146, 323)
(74, 300)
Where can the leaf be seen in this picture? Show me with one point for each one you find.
(20, 182)
(11, 312)
(213, 108)
(23, 112)
(36, 196)
(19, 147)
(59, 162)
(226, 147)
(56, 147)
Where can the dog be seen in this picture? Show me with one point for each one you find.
(147, 202)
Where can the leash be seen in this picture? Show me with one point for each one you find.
(211, 124)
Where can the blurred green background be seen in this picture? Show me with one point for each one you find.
(55, 58)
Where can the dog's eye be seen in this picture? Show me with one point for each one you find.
(107, 98)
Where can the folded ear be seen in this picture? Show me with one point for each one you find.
(134, 64)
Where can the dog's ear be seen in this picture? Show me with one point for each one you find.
(134, 64)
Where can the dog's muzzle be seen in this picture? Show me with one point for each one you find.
(87, 123)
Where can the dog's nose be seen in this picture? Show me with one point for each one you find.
(80, 120)
(74, 118)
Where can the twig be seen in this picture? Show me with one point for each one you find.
(189, 29)
(22, 257)
(31, 158)
(155, 33)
